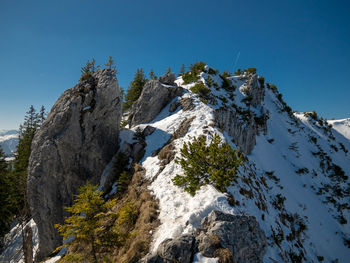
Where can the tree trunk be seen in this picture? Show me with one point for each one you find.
(28, 244)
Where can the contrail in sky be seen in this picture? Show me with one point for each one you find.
(239, 53)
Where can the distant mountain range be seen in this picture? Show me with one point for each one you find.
(8, 141)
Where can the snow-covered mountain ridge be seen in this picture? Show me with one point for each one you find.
(295, 182)
(8, 141)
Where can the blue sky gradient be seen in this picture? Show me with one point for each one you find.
(301, 46)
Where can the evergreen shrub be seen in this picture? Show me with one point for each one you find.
(216, 164)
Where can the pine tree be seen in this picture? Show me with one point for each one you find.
(152, 75)
(216, 164)
(7, 208)
(110, 63)
(88, 70)
(42, 115)
(32, 122)
(84, 225)
(135, 89)
(182, 70)
(168, 71)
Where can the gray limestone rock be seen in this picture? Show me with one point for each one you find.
(74, 144)
(167, 78)
(180, 249)
(153, 99)
(240, 234)
(244, 126)
(231, 238)
(187, 104)
(173, 106)
(255, 90)
(148, 130)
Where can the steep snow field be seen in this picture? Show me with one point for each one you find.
(342, 126)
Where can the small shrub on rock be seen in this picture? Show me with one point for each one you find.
(200, 89)
(216, 164)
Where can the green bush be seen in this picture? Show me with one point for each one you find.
(273, 87)
(238, 72)
(261, 81)
(200, 89)
(216, 164)
(190, 77)
(226, 82)
(212, 71)
(251, 70)
(198, 67)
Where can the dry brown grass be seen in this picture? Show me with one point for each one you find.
(224, 255)
(137, 246)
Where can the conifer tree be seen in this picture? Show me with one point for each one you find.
(84, 225)
(182, 70)
(135, 89)
(88, 70)
(152, 75)
(168, 71)
(7, 207)
(110, 63)
(42, 115)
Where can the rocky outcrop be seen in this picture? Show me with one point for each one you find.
(254, 90)
(230, 238)
(154, 97)
(240, 234)
(74, 144)
(243, 125)
(167, 78)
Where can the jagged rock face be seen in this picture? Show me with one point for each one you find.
(244, 134)
(238, 235)
(153, 99)
(75, 143)
(256, 91)
(243, 127)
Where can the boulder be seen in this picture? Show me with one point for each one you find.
(167, 78)
(180, 249)
(154, 97)
(74, 144)
(230, 238)
(187, 103)
(240, 234)
(173, 106)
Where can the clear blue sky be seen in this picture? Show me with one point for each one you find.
(302, 46)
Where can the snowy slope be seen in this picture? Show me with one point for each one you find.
(342, 127)
(8, 141)
(292, 183)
